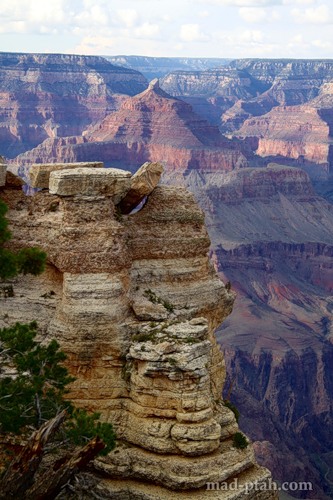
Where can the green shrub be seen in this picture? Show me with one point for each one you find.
(233, 408)
(38, 390)
(240, 441)
(82, 427)
(31, 261)
(27, 260)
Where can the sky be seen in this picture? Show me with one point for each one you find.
(174, 28)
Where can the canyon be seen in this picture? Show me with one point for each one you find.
(137, 324)
(252, 140)
(56, 95)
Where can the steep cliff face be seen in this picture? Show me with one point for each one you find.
(306, 139)
(213, 92)
(51, 95)
(272, 239)
(154, 116)
(137, 322)
(252, 88)
(150, 126)
(227, 82)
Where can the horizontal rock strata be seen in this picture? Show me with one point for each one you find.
(40, 173)
(137, 303)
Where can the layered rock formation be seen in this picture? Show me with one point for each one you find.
(52, 95)
(149, 126)
(157, 67)
(252, 88)
(272, 239)
(135, 304)
(307, 139)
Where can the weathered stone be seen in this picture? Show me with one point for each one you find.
(197, 438)
(14, 181)
(39, 173)
(3, 169)
(179, 472)
(90, 182)
(134, 305)
(143, 183)
(197, 416)
(251, 484)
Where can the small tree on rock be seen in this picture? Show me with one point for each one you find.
(27, 260)
(33, 389)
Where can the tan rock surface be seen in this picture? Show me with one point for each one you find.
(135, 306)
(90, 182)
(143, 183)
(3, 169)
(39, 173)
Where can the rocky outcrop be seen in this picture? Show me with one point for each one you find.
(156, 117)
(272, 240)
(53, 95)
(306, 139)
(40, 173)
(135, 304)
(143, 182)
(149, 126)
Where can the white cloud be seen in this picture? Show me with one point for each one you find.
(203, 13)
(24, 16)
(299, 2)
(39, 11)
(13, 27)
(245, 37)
(322, 44)
(129, 17)
(313, 15)
(297, 40)
(147, 30)
(94, 45)
(191, 33)
(257, 15)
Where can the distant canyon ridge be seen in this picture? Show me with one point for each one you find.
(252, 139)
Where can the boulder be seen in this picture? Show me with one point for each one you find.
(14, 181)
(143, 183)
(40, 173)
(109, 182)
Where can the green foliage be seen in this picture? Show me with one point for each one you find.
(4, 233)
(233, 408)
(240, 441)
(143, 337)
(31, 261)
(82, 427)
(150, 295)
(37, 391)
(27, 260)
(8, 264)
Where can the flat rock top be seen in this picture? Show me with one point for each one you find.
(91, 181)
(91, 173)
(54, 166)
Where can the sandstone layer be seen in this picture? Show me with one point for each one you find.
(53, 95)
(149, 126)
(272, 240)
(135, 304)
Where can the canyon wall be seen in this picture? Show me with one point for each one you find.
(53, 95)
(272, 240)
(134, 304)
(149, 126)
